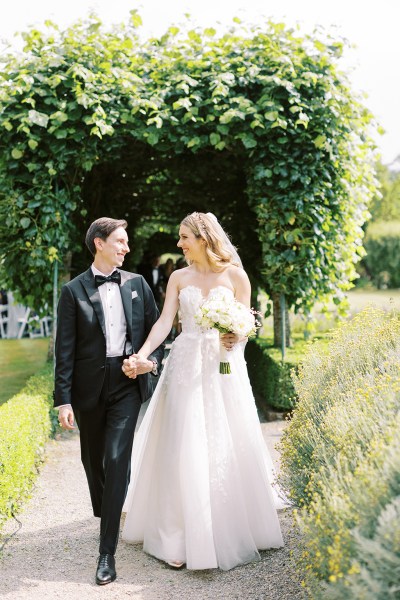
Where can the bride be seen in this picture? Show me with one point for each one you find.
(200, 492)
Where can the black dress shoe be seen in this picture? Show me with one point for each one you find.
(106, 572)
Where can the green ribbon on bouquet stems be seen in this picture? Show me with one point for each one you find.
(224, 365)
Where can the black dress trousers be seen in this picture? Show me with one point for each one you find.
(106, 435)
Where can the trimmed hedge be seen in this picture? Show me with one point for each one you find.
(340, 457)
(270, 379)
(26, 422)
(382, 244)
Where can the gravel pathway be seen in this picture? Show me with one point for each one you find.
(54, 553)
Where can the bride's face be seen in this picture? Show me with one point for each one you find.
(192, 247)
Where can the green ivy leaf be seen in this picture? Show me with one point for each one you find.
(249, 142)
(59, 116)
(61, 134)
(271, 115)
(25, 222)
(196, 141)
(38, 118)
(215, 138)
(319, 141)
(17, 153)
(153, 138)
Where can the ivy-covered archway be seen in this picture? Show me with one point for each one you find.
(258, 125)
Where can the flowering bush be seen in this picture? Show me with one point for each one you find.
(341, 459)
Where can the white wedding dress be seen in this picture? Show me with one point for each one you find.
(200, 489)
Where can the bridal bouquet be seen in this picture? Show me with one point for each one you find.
(227, 315)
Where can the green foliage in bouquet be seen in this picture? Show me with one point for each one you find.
(341, 460)
(25, 426)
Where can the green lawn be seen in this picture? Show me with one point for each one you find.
(363, 297)
(321, 322)
(19, 359)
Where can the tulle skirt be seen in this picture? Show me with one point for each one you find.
(202, 489)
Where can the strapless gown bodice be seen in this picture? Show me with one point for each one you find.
(190, 300)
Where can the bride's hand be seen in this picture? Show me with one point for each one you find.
(229, 340)
(136, 365)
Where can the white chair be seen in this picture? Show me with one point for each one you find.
(23, 323)
(46, 324)
(3, 320)
(35, 327)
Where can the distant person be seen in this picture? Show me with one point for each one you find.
(166, 269)
(150, 269)
(177, 326)
(180, 263)
(3, 314)
(104, 315)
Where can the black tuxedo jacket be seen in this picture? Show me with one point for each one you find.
(80, 351)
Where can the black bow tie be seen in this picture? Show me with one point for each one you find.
(115, 277)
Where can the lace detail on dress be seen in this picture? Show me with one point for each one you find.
(194, 347)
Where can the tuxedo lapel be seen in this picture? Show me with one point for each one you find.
(126, 295)
(94, 297)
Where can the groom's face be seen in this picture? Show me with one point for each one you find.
(112, 250)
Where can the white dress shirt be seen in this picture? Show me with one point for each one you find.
(113, 314)
(156, 275)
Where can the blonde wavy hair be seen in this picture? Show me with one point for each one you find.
(219, 250)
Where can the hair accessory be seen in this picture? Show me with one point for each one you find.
(200, 221)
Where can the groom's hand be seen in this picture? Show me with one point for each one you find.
(66, 417)
(136, 365)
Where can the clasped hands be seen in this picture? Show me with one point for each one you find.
(136, 365)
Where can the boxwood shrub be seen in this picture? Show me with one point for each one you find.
(26, 421)
(382, 243)
(270, 378)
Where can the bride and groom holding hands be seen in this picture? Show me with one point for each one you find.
(200, 493)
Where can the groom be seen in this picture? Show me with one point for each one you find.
(104, 314)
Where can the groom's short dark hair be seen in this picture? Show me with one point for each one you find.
(102, 228)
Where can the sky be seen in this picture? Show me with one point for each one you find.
(372, 27)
